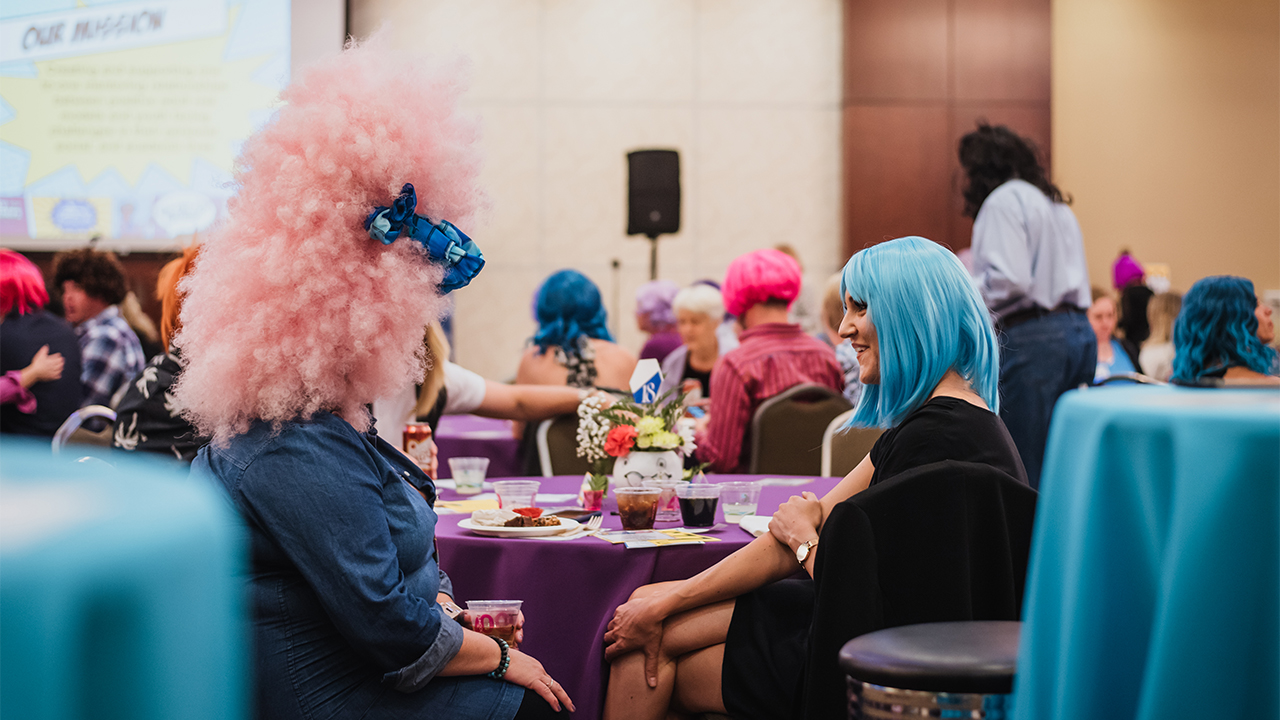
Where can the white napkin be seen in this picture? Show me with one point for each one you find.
(756, 525)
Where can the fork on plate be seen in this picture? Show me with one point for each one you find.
(590, 527)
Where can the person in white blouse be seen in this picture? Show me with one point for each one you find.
(1029, 264)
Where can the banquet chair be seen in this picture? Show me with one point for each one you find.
(557, 440)
(843, 449)
(787, 430)
(71, 431)
(944, 542)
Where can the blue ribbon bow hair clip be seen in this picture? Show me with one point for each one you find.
(445, 244)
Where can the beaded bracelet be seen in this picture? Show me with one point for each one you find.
(505, 662)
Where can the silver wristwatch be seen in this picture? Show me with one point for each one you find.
(802, 552)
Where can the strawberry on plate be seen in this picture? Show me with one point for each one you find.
(529, 512)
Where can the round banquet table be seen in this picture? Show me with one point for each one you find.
(475, 436)
(570, 588)
(1154, 584)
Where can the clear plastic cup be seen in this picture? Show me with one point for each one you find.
(496, 618)
(468, 473)
(738, 500)
(637, 506)
(668, 505)
(514, 494)
(698, 503)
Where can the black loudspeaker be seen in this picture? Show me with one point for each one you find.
(653, 192)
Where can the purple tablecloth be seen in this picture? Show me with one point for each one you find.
(571, 588)
(475, 436)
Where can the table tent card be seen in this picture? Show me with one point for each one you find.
(645, 381)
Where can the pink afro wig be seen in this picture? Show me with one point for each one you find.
(759, 276)
(291, 308)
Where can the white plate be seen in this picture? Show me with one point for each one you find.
(489, 531)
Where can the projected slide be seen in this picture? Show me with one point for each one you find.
(122, 119)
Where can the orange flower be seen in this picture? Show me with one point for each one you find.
(620, 440)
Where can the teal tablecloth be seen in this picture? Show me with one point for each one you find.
(120, 590)
(1153, 589)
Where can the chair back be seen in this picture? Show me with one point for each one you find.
(787, 430)
(944, 542)
(70, 432)
(843, 449)
(557, 440)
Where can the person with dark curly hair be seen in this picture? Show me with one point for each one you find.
(92, 285)
(1028, 260)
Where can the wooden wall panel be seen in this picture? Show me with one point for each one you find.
(891, 173)
(918, 74)
(895, 50)
(1001, 50)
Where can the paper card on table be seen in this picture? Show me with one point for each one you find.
(645, 380)
(464, 507)
(653, 538)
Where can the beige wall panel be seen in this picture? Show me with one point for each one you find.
(747, 91)
(1166, 129)
(509, 229)
(618, 50)
(757, 194)
(771, 51)
(499, 37)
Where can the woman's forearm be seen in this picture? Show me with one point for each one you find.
(761, 562)
(527, 402)
(478, 655)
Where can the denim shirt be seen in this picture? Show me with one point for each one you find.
(344, 571)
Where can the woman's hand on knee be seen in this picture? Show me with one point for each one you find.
(528, 673)
(635, 626)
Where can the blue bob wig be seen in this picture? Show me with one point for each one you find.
(567, 308)
(929, 318)
(1217, 329)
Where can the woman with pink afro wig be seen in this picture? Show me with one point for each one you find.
(310, 301)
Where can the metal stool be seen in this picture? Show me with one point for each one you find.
(949, 670)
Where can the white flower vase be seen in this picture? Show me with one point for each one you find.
(641, 465)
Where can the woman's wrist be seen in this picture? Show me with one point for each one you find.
(504, 662)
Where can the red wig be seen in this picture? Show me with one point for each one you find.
(21, 284)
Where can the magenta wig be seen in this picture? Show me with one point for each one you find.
(21, 284)
(758, 277)
(291, 308)
(1126, 270)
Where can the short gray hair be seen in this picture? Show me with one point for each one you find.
(700, 298)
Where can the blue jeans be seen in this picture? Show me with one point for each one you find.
(1039, 360)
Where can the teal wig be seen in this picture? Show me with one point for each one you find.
(929, 318)
(1217, 329)
(567, 308)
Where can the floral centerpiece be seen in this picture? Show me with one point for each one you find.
(617, 435)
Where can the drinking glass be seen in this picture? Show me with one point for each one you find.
(468, 473)
(514, 494)
(738, 500)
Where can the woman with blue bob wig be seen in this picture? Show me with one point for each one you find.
(1222, 332)
(929, 364)
(572, 345)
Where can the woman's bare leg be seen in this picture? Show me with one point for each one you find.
(629, 694)
(698, 681)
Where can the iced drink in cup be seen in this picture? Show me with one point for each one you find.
(668, 506)
(637, 506)
(495, 618)
(468, 473)
(514, 494)
(738, 500)
(698, 503)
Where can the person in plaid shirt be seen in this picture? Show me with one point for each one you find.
(92, 284)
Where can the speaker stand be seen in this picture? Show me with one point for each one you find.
(653, 256)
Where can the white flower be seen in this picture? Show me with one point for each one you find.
(684, 428)
(128, 438)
